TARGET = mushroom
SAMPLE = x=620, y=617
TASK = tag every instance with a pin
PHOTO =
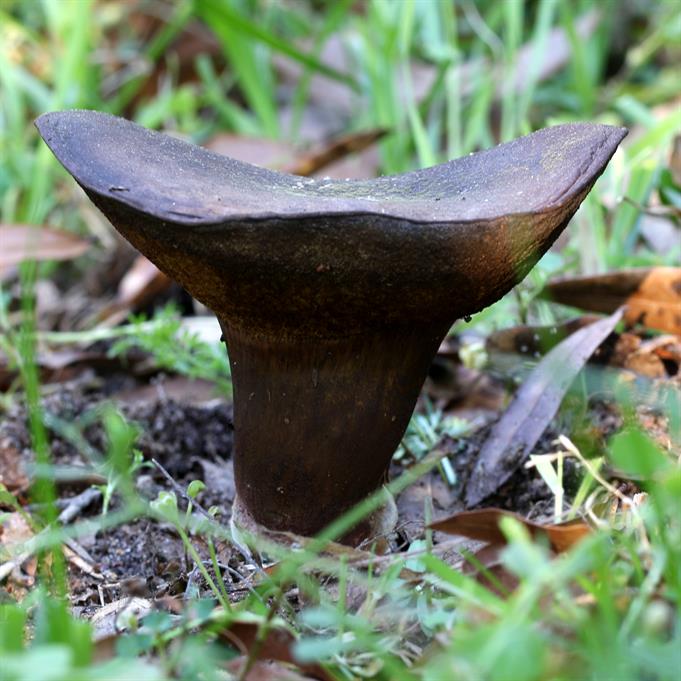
x=333, y=296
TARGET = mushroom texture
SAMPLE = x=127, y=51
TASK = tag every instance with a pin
x=333, y=296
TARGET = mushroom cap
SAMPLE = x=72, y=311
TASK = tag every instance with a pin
x=277, y=253
x=173, y=180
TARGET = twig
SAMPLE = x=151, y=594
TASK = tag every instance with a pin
x=78, y=503
x=6, y=569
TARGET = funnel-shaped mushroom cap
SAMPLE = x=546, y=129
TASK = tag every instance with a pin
x=454, y=237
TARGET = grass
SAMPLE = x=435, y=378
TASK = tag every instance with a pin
x=608, y=609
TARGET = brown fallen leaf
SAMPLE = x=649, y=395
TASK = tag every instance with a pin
x=29, y=242
x=331, y=156
x=13, y=473
x=534, y=405
x=657, y=300
x=259, y=151
x=177, y=388
x=264, y=670
x=652, y=295
x=57, y=366
x=138, y=287
x=483, y=525
x=335, y=150
x=276, y=646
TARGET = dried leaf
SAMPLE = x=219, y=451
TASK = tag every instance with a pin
x=58, y=366
x=259, y=151
x=338, y=148
x=177, y=388
x=264, y=670
x=657, y=301
x=277, y=646
x=330, y=156
x=140, y=285
x=28, y=242
x=483, y=525
x=532, y=409
x=652, y=295
x=12, y=467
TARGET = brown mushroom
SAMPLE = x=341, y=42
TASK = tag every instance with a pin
x=333, y=296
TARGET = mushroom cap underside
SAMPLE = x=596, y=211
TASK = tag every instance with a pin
x=179, y=183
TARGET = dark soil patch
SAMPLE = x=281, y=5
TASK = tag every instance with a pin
x=194, y=441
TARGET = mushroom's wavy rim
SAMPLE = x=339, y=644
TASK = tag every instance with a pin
x=185, y=185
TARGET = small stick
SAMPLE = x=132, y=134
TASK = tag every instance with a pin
x=77, y=504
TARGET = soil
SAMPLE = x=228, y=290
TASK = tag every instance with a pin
x=193, y=441
x=190, y=441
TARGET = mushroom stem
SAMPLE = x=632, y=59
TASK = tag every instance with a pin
x=317, y=420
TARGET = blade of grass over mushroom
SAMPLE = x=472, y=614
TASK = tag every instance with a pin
x=652, y=295
x=534, y=405
x=333, y=296
x=483, y=525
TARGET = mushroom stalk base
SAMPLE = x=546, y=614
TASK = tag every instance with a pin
x=379, y=524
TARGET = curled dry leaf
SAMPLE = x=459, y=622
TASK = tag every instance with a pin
x=483, y=525
x=29, y=242
x=652, y=295
x=534, y=405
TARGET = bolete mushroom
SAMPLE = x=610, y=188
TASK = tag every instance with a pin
x=333, y=296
